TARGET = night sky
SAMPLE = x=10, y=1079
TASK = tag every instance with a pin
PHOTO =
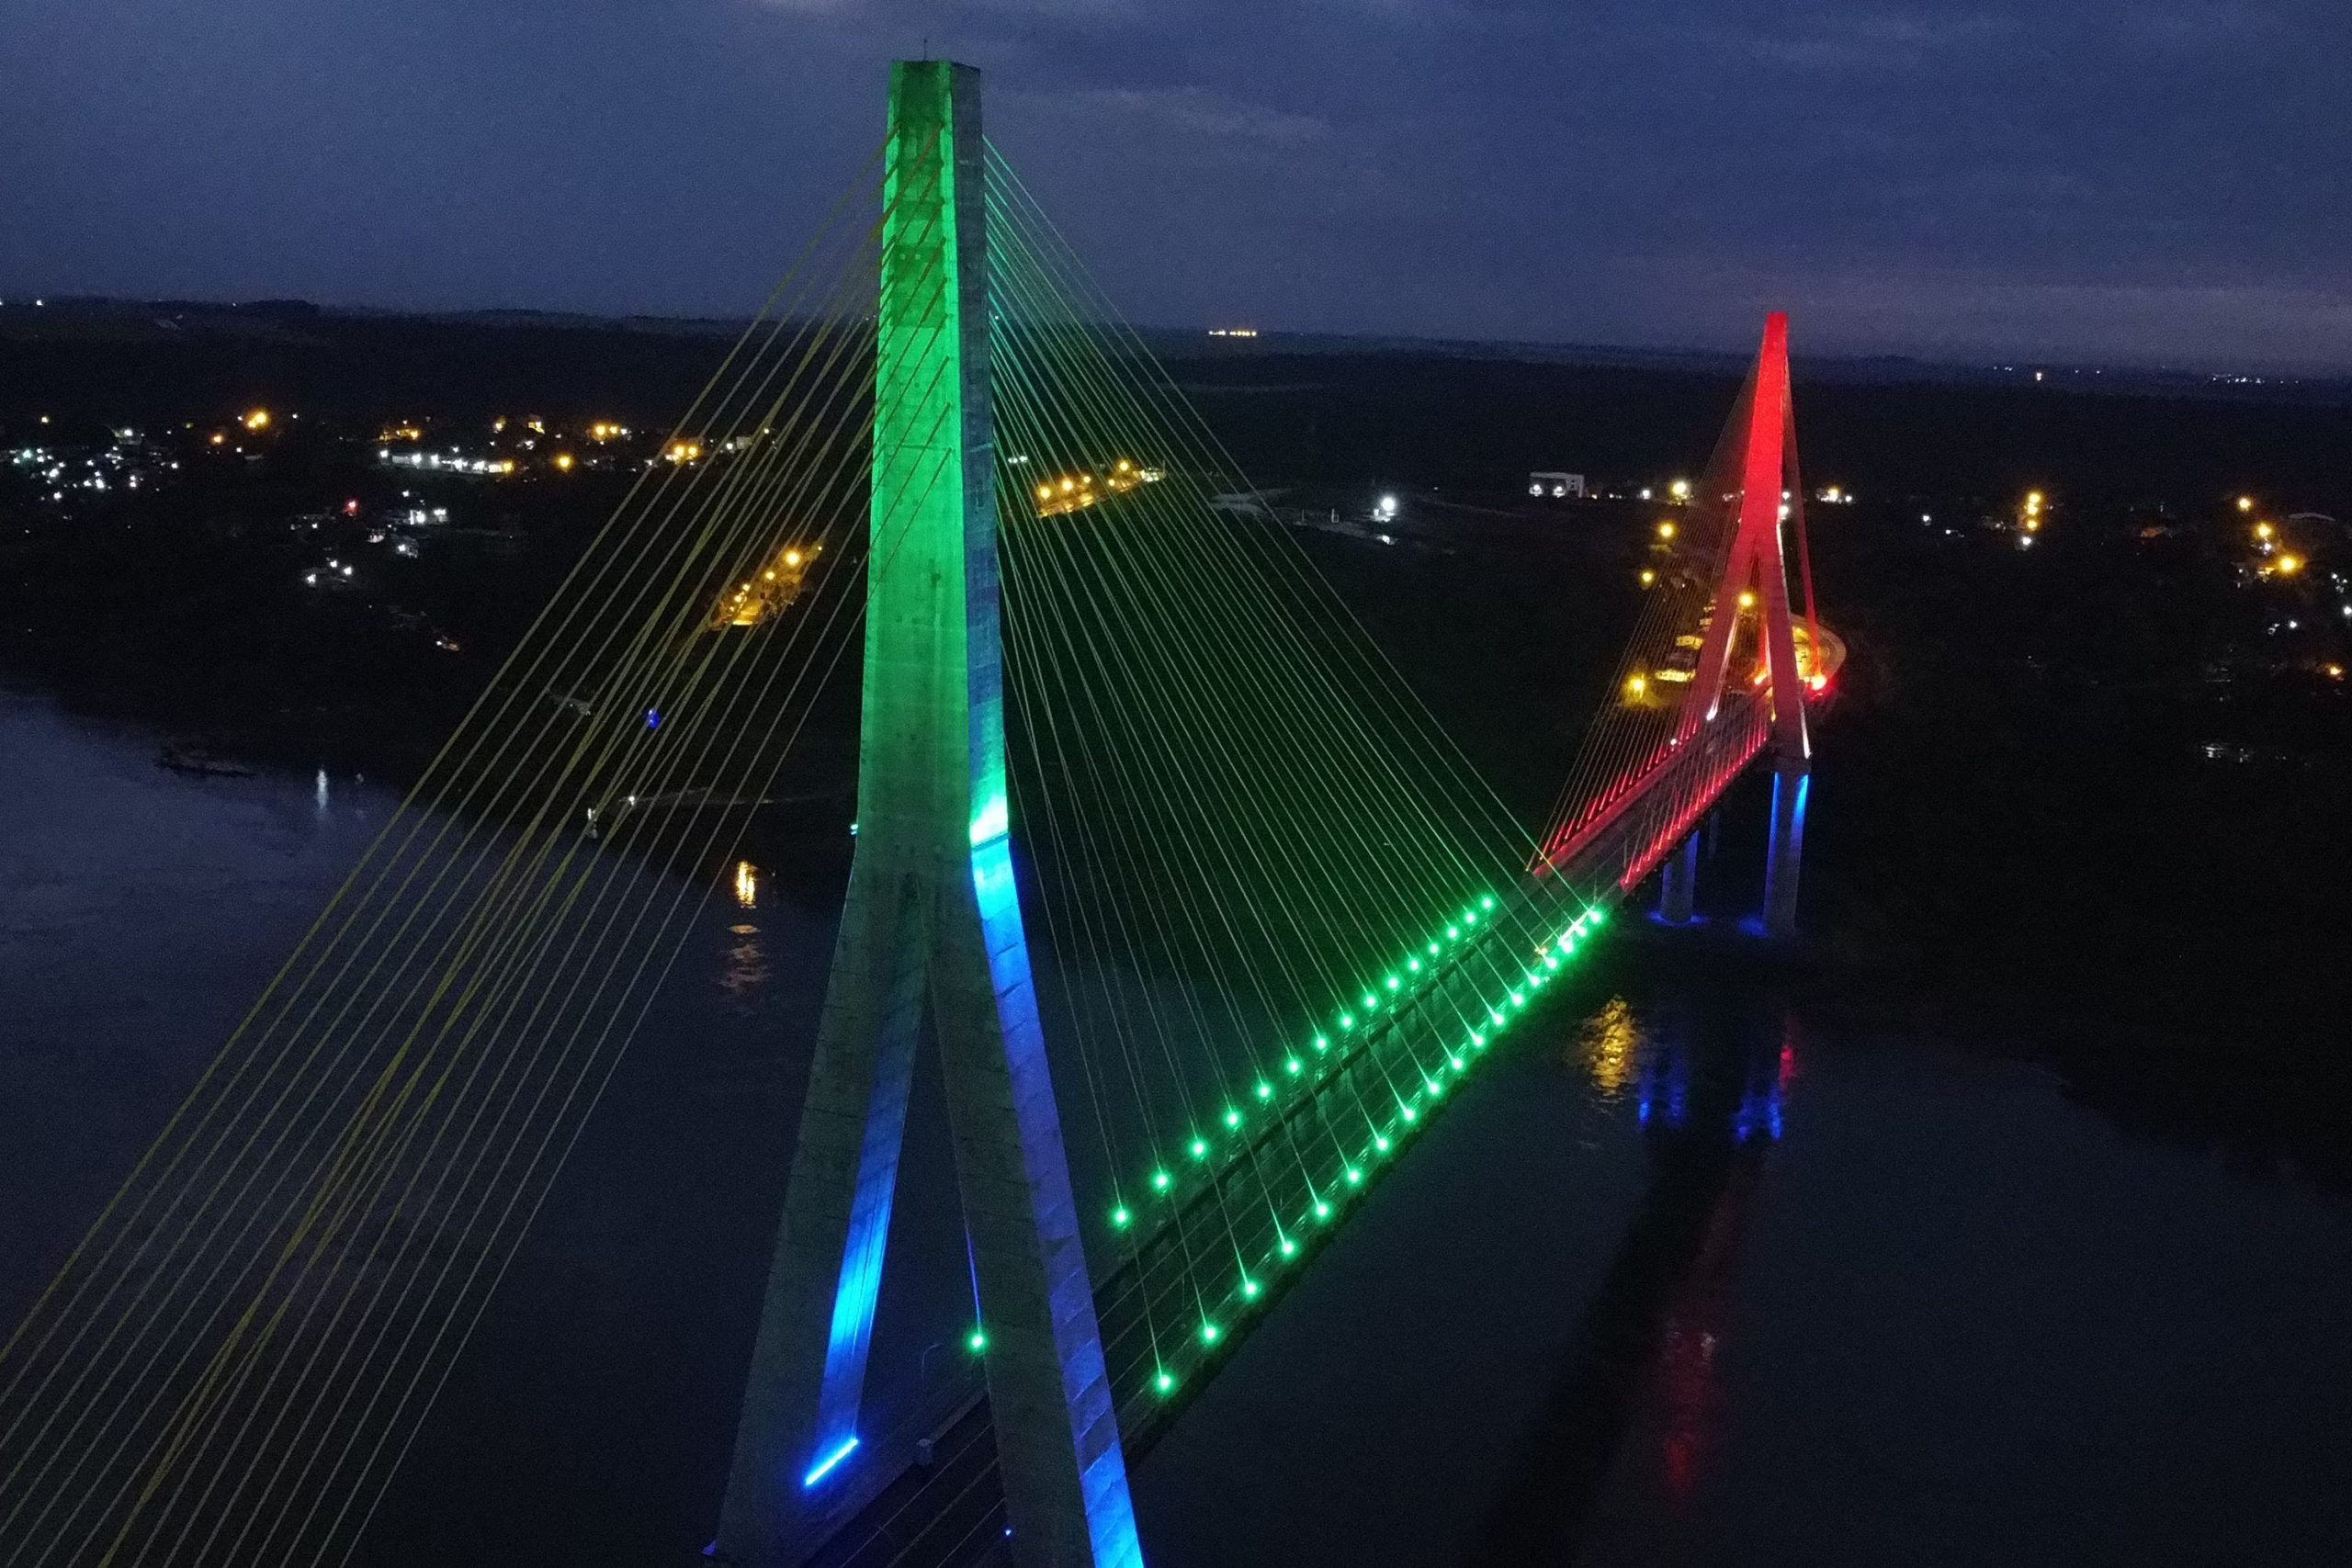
x=2125, y=181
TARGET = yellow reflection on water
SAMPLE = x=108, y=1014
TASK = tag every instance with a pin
x=1608, y=1047
x=745, y=966
x=747, y=884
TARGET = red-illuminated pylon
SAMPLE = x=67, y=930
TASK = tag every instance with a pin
x=1769, y=494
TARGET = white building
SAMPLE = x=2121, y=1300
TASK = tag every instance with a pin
x=1558, y=486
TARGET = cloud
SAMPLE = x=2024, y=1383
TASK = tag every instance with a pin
x=1191, y=111
x=1847, y=39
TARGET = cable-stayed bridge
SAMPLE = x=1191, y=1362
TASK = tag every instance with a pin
x=1200, y=909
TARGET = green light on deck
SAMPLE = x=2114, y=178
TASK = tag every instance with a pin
x=1232, y=1119
x=1322, y=1210
x=1121, y=1217
x=1477, y=1038
x=1209, y=1332
x=1355, y=1177
x=1495, y=1015
x=1266, y=1091
x=1293, y=1067
x=1289, y=1248
x=1453, y=933
x=977, y=1340
x=1433, y=950
x=1414, y=965
x=1408, y=1113
x=1347, y=1020
x=1380, y=1142
x=1165, y=1382
x=1160, y=1179
x=1487, y=902
x=1250, y=1288
x=1457, y=1063
x=1370, y=1002
x=1469, y=916
x=1322, y=1043
x=1519, y=998
x=1200, y=1148
x=1596, y=915
x=1393, y=982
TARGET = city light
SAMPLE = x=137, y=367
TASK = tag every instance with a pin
x=2245, y=504
x=2289, y=565
x=563, y=462
x=1679, y=489
x=257, y=420
x=1666, y=530
x=776, y=589
x=1636, y=685
x=1648, y=576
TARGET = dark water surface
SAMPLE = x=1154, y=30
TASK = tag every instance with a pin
x=1685, y=1275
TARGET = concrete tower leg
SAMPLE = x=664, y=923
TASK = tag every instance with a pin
x=1050, y=1392
x=800, y=1399
x=1679, y=882
x=1792, y=782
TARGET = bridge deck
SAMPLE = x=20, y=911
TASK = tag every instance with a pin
x=926, y=1495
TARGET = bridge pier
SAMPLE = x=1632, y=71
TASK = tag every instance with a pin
x=1678, y=882
x=1792, y=782
x=932, y=923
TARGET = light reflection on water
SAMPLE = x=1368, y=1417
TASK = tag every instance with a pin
x=1608, y=1047
x=744, y=963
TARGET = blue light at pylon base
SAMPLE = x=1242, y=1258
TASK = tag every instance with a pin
x=829, y=1462
x=860, y=1285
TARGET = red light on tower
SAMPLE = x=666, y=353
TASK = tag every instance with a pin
x=351, y=507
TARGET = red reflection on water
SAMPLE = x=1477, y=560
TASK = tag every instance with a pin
x=1688, y=1396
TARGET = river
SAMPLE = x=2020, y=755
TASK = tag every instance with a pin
x=1687, y=1274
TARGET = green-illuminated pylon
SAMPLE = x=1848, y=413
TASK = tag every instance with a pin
x=933, y=923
